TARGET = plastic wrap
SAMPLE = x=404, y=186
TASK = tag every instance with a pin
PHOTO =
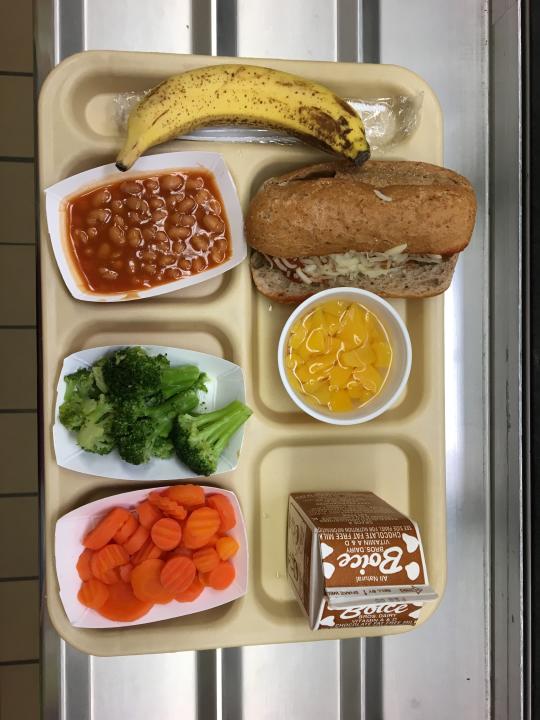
x=387, y=121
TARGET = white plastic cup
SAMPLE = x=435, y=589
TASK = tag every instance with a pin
x=400, y=367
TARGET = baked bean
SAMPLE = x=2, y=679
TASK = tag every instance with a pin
x=116, y=264
x=88, y=252
x=134, y=202
x=131, y=266
x=200, y=242
x=117, y=235
x=172, y=273
x=133, y=218
x=80, y=236
x=217, y=255
x=101, y=197
x=148, y=255
x=134, y=237
x=179, y=233
x=107, y=274
x=149, y=233
x=101, y=215
x=166, y=259
x=185, y=264
x=149, y=268
x=119, y=220
x=183, y=220
x=159, y=215
x=198, y=264
x=214, y=206
x=156, y=202
x=92, y=233
x=194, y=183
x=171, y=202
x=162, y=241
x=178, y=247
x=187, y=205
x=169, y=183
x=116, y=253
x=221, y=245
x=151, y=186
x=202, y=196
x=117, y=205
x=213, y=224
x=131, y=187
x=104, y=251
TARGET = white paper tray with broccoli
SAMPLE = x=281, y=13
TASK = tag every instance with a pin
x=149, y=413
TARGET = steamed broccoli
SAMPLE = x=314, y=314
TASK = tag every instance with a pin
x=200, y=440
x=131, y=374
x=142, y=432
x=80, y=387
x=95, y=435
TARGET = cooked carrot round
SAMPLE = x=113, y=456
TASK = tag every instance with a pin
x=122, y=605
x=137, y=540
x=166, y=533
x=83, y=565
x=149, y=551
x=225, y=510
x=106, y=529
x=189, y=496
x=177, y=574
x=108, y=557
x=148, y=514
x=146, y=582
x=226, y=547
x=192, y=593
x=109, y=577
x=200, y=526
x=221, y=576
x=125, y=572
x=93, y=593
x=205, y=559
x=126, y=531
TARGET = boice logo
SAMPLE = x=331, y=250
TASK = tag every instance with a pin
x=387, y=608
x=388, y=562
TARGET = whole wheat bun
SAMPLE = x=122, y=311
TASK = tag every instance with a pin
x=412, y=280
x=335, y=207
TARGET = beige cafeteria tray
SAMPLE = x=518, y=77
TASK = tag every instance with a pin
x=399, y=456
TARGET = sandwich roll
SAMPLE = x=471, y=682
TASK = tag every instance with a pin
x=392, y=227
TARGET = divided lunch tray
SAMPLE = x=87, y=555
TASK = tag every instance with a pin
x=399, y=456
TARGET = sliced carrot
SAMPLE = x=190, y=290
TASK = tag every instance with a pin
x=177, y=574
x=200, y=526
x=226, y=547
x=126, y=531
x=221, y=576
x=167, y=506
x=122, y=605
x=146, y=582
x=166, y=533
x=125, y=572
x=83, y=565
x=190, y=496
x=225, y=510
x=109, y=577
x=137, y=540
x=149, y=551
x=106, y=529
x=178, y=551
x=192, y=593
x=148, y=514
x=213, y=540
x=93, y=593
x=205, y=559
x=109, y=557
x=203, y=579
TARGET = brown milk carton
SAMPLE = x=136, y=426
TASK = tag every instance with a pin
x=355, y=561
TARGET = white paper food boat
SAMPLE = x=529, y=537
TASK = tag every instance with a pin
x=225, y=384
x=57, y=195
x=72, y=528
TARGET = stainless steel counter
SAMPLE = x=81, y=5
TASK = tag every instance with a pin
x=443, y=669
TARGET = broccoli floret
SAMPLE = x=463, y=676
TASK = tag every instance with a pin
x=80, y=387
x=180, y=378
x=199, y=441
x=95, y=435
x=132, y=374
x=142, y=432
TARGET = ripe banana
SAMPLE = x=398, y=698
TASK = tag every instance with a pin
x=245, y=95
